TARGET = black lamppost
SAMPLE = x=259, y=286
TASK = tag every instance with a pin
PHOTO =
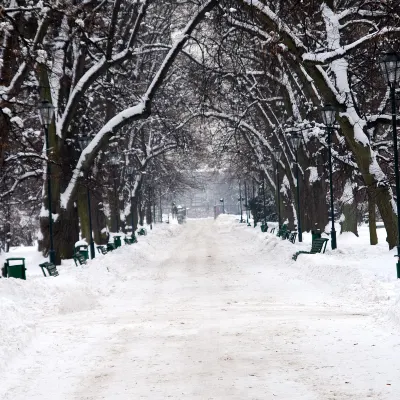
x=329, y=118
x=296, y=140
x=131, y=170
x=83, y=143
x=277, y=154
x=240, y=202
x=114, y=161
x=46, y=115
x=222, y=201
x=246, y=202
x=390, y=65
x=264, y=202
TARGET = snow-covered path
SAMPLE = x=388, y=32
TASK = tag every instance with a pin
x=213, y=319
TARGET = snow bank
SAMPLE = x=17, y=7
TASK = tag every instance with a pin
x=24, y=303
x=356, y=273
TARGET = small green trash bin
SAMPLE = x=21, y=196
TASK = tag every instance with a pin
x=316, y=234
x=83, y=249
x=117, y=241
x=15, y=268
x=264, y=227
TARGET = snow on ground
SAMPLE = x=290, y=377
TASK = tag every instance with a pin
x=23, y=303
x=208, y=310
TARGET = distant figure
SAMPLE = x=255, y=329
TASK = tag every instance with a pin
x=174, y=211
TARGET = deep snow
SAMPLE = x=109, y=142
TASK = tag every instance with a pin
x=209, y=310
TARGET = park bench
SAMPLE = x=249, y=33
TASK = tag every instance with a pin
x=292, y=237
x=318, y=246
x=50, y=267
x=130, y=240
x=111, y=247
x=102, y=249
x=142, y=232
x=282, y=231
x=79, y=258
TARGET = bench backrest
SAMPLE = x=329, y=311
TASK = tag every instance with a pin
x=81, y=258
x=318, y=245
x=51, y=268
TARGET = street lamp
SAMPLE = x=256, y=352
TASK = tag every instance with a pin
x=277, y=152
x=296, y=140
x=329, y=118
x=114, y=161
x=264, y=203
x=390, y=66
x=222, y=201
x=83, y=143
x=246, y=203
x=131, y=170
x=240, y=202
x=46, y=110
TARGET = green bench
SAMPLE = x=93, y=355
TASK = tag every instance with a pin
x=102, y=249
x=282, y=231
x=50, y=267
x=318, y=246
x=111, y=247
x=130, y=240
x=79, y=258
x=292, y=237
x=142, y=232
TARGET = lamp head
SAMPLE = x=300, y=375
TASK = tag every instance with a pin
x=114, y=160
x=328, y=113
x=390, y=67
x=46, y=110
x=277, y=152
x=83, y=141
x=295, y=137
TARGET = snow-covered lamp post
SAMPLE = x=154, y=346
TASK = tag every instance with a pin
x=246, y=201
x=46, y=110
x=83, y=143
x=296, y=140
x=329, y=118
x=390, y=66
x=222, y=201
x=277, y=154
x=131, y=171
x=114, y=161
x=240, y=202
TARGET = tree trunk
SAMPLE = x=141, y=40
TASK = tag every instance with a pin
x=141, y=209
x=349, y=210
x=83, y=213
x=99, y=219
x=373, y=237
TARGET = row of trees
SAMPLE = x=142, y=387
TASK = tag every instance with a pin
x=167, y=85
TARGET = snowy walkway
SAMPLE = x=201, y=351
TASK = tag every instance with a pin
x=214, y=319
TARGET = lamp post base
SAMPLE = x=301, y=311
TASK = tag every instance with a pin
x=92, y=253
x=398, y=270
x=52, y=256
x=333, y=239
